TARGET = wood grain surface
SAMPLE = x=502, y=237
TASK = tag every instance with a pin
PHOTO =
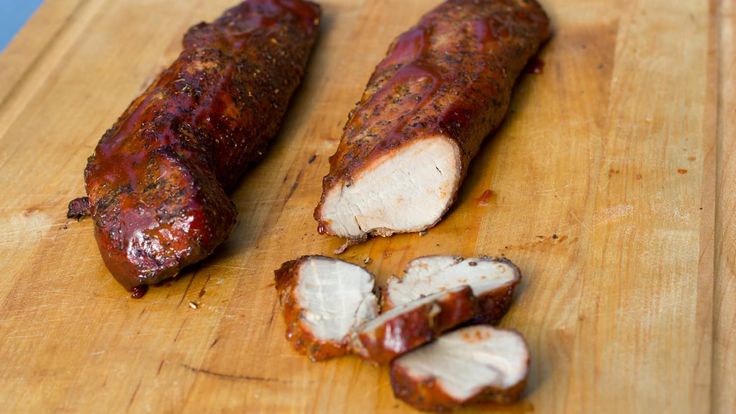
x=724, y=306
x=610, y=187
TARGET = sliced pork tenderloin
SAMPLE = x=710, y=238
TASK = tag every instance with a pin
x=442, y=88
x=473, y=364
x=492, y=279
x=323, y=301
x=413, y=324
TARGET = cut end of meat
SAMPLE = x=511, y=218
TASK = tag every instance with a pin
x=324, y=299
x=492, y=279
x=443, y=86
x=407, y=327
x=473, y=364
x=407, y=190
x=335, y=296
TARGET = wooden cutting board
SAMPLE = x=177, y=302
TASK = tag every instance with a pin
x=610, y=185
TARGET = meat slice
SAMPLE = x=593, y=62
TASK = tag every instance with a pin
x=409, y=326
x=444, y=86
x=492, y=279
x=158, y=180
x=473, y=364
x=323, y=300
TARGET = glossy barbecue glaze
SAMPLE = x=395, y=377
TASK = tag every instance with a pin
x=407, y=327
x=447, y=80
x=158, y=180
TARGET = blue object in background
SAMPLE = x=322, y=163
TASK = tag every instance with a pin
x=13, y=15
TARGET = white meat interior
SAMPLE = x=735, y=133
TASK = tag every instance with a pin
x=407, y=190
x=470, y=359
x=428, y=275
x=335, y=297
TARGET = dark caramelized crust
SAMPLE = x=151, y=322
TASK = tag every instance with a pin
x=492, y=304
x=429, y=392
x=451, y=75
x=78, y=208
x=158, y=180
x=415, y=326
x=428, y=395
